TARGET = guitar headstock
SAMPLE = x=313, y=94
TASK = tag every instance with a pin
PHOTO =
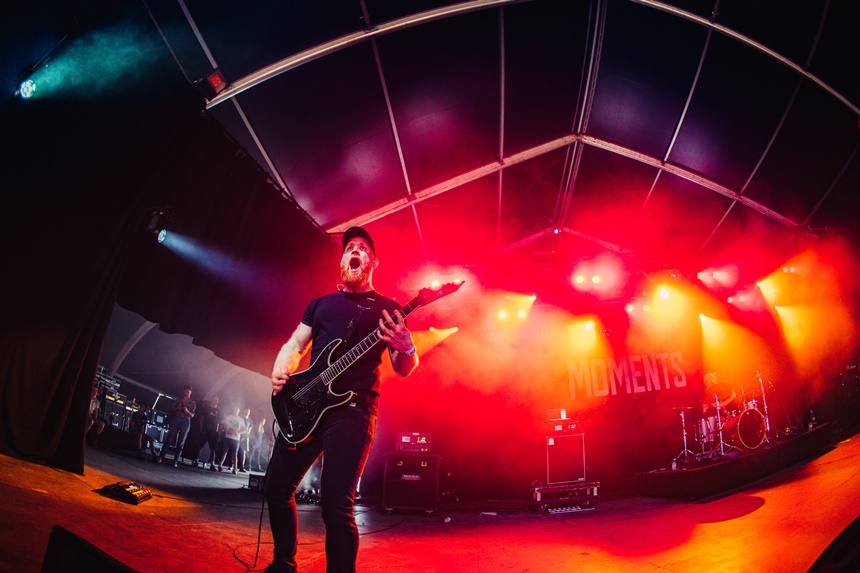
x=431, y=293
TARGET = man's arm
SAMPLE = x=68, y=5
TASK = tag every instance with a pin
x=401, y=349
x=290, y=355
x=403, y=363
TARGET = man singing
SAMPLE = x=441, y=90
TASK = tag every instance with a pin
x=344, y=433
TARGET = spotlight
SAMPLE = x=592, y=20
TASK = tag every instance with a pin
x=212, y=85
x=27, y=89
x=159, y=218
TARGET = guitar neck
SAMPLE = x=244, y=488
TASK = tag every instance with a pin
x=357, y=351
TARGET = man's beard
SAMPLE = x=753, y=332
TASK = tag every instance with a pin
x=357, y=280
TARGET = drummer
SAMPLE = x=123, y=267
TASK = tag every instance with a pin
x=716, y=390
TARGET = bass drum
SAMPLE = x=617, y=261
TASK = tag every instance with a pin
x=746, y=430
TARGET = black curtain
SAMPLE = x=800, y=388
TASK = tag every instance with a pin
x=73, y=176
x=80, y=179
x=246, y=261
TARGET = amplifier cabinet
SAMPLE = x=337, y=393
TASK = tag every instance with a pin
x=411, y=481
x=565, y=458
x=567, y=497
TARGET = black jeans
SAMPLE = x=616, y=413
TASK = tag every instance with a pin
x=344, y=437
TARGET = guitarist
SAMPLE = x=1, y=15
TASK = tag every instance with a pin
x=344, y=433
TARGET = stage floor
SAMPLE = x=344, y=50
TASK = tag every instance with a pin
x=198, y=520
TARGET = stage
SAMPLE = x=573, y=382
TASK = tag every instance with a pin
x=198, y=520
x=701, y=477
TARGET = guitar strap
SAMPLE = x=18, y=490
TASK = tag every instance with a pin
x=353, y=324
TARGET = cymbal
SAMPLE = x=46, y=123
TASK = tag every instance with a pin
x=722, y=390
x=759, y=374
x=685, y=407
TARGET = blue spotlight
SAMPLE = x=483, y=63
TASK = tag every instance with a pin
x=162, y=235
x=27, y=89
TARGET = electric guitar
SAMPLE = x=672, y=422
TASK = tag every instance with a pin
x=303, y=400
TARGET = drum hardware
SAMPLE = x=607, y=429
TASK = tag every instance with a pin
x=712, y=428
x=764, y=405
x=720, y=426
x=686, y=454
x=746, y=430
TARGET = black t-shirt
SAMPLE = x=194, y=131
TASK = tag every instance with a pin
x=329, y=318
x=138, y=422
x=211, y=417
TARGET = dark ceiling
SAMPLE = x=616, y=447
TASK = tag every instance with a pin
x=515, y=138
x=678, y=133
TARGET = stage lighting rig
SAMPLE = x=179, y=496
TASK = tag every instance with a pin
x=212, y=85
x=27, y=89
x=159, y=219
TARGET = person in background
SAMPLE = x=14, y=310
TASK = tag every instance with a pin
x=211, y=428
x=94, y=419
x=257, y=448
x=180, y=422
x=234, y=426
x=137, y=426
x=245, y=442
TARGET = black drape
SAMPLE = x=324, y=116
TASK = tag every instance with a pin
x=72, y=179
x=250, y=259
x=80, y=176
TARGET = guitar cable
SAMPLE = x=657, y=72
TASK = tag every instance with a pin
x=252, y=566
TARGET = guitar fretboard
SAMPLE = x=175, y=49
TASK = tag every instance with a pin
x=334, y=370
x=357, y=351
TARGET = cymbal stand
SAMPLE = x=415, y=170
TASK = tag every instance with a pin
x=686, y=455
x=764, y=405
x=723, y=445
x=719, y=425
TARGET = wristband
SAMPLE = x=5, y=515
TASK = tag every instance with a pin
x=411, y=351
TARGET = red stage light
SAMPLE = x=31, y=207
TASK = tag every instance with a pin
x=217, y=81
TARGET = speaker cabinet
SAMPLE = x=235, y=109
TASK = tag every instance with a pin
x=565, y=458
x=411, y=481
x=68, y=553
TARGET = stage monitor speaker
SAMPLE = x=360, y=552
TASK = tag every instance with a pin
x=843, y=554
x=257, y=482
x=565, y=458
x=411, y=481
x=68, y=553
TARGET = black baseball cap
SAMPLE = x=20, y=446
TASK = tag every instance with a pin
x=353, y=232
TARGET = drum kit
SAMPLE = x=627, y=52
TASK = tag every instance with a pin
x=723, y=423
